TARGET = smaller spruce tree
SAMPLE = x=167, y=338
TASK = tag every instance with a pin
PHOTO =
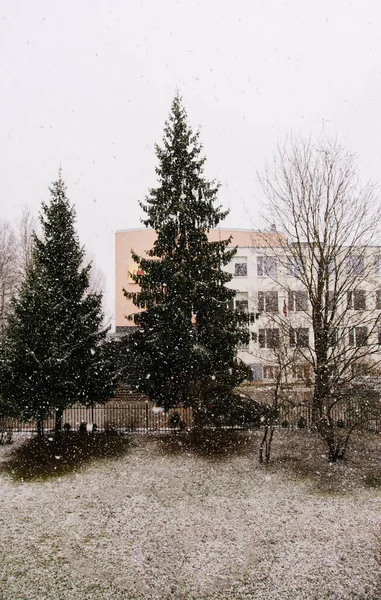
x=184, y=348
x=52, y=354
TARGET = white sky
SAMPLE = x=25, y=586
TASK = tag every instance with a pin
x=89, y=84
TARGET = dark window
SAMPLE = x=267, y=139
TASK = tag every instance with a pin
x=297, y=301
x=299, y=338
x=268, y=338
x=301, y=372
x=356, y=300
x=268, y=301
x=241, y=302
x=257, y=371
x=270, y=372
x=242, y=306
x=379, y=337
x=358, y=336
x=240, y=267
x=355, y=265
x=266, y=266
x=293, y=265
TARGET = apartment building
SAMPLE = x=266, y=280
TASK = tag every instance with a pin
x=270, y=292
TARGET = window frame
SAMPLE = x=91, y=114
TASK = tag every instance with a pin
x=270, y=372
x=269, y=338
x=355, y=264
x=241, y=297
x=356, y=300
x=293, y=266
x=240, y=262
x=296, y=337
x=294, y=304
x=354, y=336
x=267, y=301
x=267, y=266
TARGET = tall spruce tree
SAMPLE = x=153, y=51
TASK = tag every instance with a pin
x=184, y=348
x=52, y=355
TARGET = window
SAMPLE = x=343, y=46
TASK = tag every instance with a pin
x=256, y=369
x=355, y=265
x=297, y=301
x=241, y=302
x=268, y=301
x=356, y=300
x=301, y=373
x=299, y=338
x=358, y=336
x=240, y=266
x=293, y=265
x=377, y=265
x=270, y=372
x=379, y=337
x=266, y=266
x=378, y=299
x=268, y=338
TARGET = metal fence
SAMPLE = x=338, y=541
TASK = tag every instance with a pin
x=140, y=417
x=343, y=415
x=144, y=417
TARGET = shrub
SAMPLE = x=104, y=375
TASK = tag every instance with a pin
x=234, y=410
x=6, y=433
x=302, y=423
x=110, y=428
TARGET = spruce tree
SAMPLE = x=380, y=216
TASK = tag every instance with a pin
x=52, y=355
x=183, y=350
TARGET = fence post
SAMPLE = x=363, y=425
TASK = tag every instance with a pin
x=146, y=405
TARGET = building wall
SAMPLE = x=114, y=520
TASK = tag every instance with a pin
x=141, y=240
x=252, y=285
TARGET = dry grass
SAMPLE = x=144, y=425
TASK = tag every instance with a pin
x=189, y=518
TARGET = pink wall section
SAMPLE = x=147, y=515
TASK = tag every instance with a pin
x=141, y=240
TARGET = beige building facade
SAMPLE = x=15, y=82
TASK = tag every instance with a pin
x=268, y=289
x=141, y=240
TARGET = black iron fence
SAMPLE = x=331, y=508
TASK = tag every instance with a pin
x=144, y=417
x=140, y=417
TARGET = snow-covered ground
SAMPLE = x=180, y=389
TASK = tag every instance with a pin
x=163, y=524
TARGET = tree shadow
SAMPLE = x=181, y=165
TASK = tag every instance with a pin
x=304, y=455
x=210, y=443
x=47, y=456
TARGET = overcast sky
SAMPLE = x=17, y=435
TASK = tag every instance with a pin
x=89, y=84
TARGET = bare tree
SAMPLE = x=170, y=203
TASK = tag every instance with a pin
x=8, y=269
x=26, y=226
x=280, y=397
x=330, y=222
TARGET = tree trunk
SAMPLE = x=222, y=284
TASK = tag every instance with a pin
x=265, y=446
x=58, y=423
x=268, y=445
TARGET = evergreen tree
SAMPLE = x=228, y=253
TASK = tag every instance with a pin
x=52, y=355
x=184, y=348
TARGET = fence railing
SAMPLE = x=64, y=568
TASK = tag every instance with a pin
x=144, y=417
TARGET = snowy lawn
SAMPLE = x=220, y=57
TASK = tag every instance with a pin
x=162, y=519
